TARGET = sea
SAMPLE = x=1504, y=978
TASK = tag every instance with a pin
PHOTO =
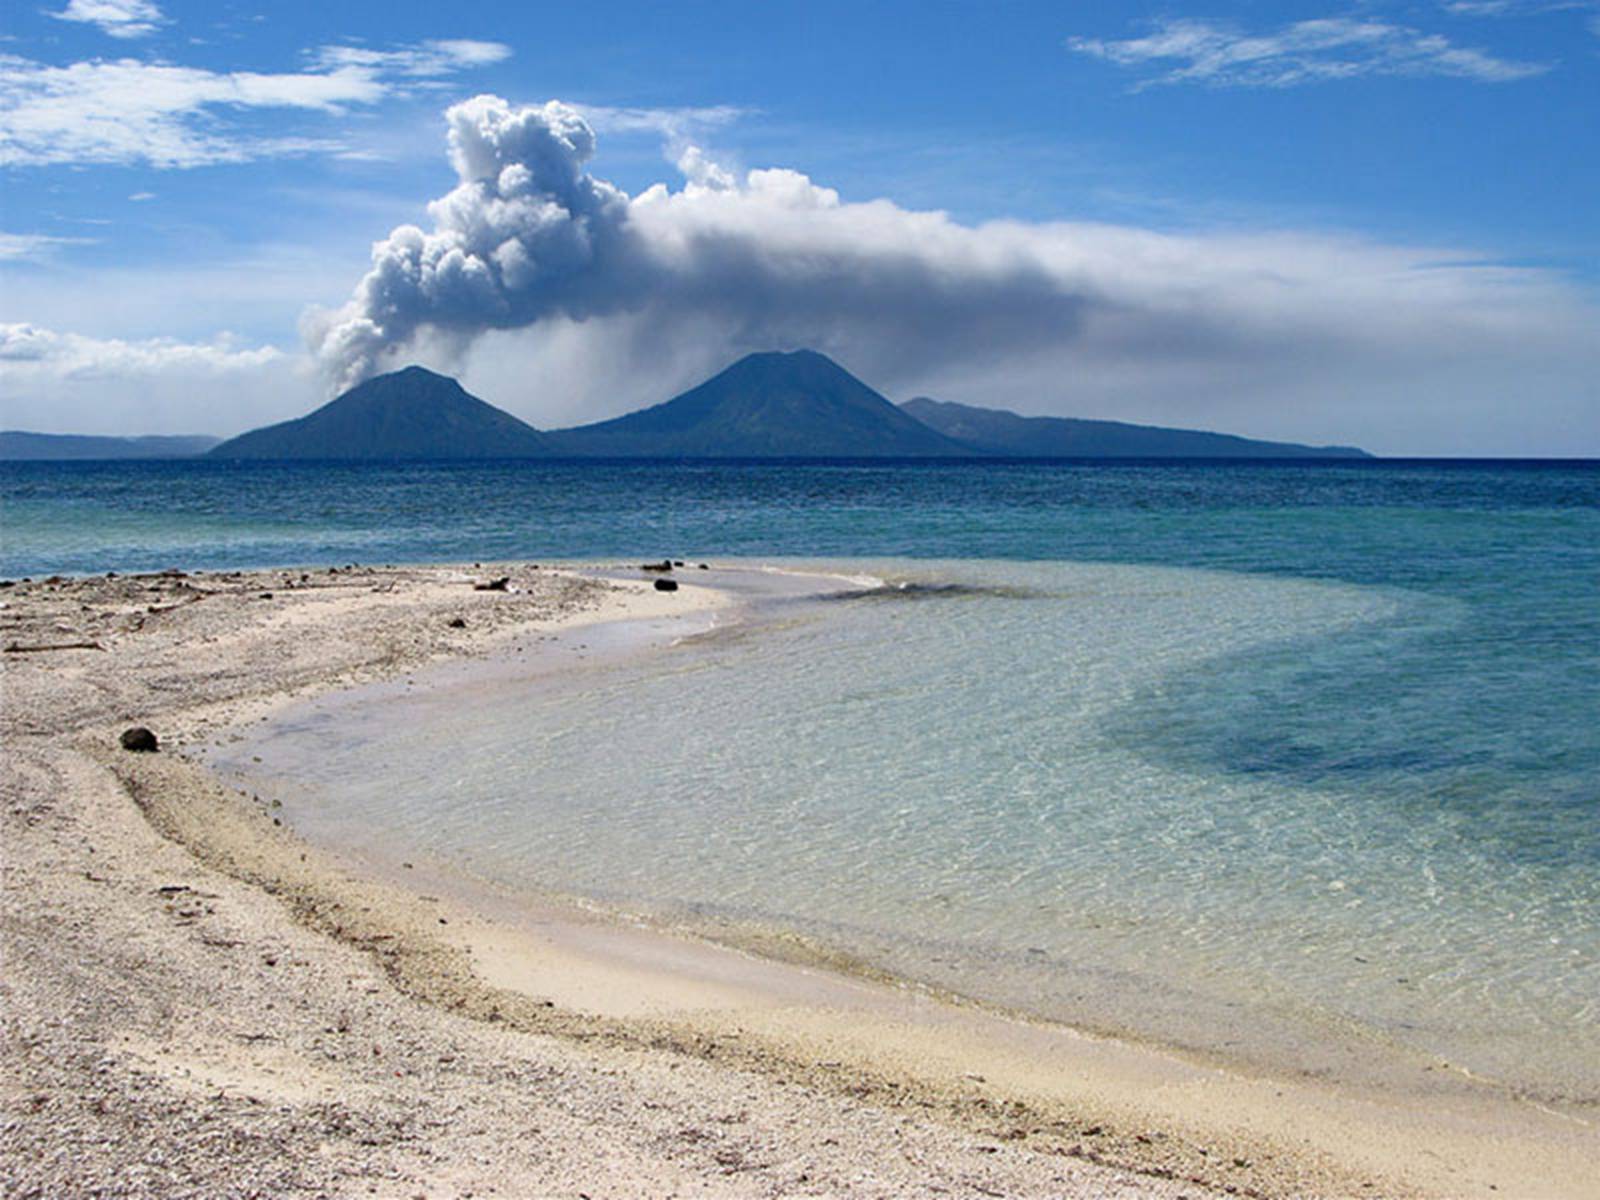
x=1292, y=764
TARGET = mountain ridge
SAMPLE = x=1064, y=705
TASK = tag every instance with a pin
x=22, y=445
x=768, y=405
x=998, y=431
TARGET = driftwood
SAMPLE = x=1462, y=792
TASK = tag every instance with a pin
x=15, y=648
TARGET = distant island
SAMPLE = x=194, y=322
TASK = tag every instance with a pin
x=1000, y=432
x=799, y=404
x=18, y=445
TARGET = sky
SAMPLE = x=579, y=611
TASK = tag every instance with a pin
x=1370, y=223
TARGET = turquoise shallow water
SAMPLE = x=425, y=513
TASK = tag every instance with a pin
x=1220, y=753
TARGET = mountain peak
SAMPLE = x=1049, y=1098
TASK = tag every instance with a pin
x=773, y=404
x=412, y=413
x=793, y=363
x=414, y=371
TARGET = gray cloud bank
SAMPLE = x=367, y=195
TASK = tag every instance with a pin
x=590, y=290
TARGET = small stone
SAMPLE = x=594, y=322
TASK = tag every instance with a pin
x=666, y=585
x=458, y=623
x=140, y=740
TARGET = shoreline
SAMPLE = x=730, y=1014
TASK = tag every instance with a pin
x=1042, y=1099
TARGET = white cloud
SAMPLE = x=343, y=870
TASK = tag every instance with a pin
x=26, y=349
x=118, y=18
x=424, y=60
x=532, y=260
x=1508, y=8
x=674, y=125
x=31, y=247
x=72, y=383
x=130, y=111
x=1219, y=55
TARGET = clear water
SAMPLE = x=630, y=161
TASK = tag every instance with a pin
x=1297, y=761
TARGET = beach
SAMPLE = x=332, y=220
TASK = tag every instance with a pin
x=199, y=1002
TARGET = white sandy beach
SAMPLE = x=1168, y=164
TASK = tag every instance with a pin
x=198, y=1003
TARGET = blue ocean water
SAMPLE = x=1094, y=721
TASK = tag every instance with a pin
x=1319, y=743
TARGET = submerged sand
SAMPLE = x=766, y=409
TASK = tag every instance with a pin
x=195, y=1002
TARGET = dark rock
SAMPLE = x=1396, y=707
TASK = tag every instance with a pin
x=493, y=585
x=664, y=565
x=457, y=623
x=677, y=562
x=140, y=739
x=703, y=567
x=666, y=585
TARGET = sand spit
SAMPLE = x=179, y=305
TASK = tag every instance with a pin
x=197, y=1003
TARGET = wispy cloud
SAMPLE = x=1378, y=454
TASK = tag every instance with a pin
x=129, y=111
x=670, y=123
x=1511, y=8
x=682, y=131
x=118, y=18
x=32, y=247
x=1218, y=54
x=422, y=61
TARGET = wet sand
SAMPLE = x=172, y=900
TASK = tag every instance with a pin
x=197, y=1002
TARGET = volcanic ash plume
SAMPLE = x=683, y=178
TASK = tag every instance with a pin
x=525, y=233
x=767, y=259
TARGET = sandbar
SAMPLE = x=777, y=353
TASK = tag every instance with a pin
x=197, y=1001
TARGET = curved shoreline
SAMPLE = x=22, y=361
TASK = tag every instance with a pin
x=1044, y=1096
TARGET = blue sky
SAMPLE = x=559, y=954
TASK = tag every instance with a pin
x=1368, y=222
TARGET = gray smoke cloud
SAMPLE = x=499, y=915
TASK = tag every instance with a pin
x=528, y=234
x=530, y=241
